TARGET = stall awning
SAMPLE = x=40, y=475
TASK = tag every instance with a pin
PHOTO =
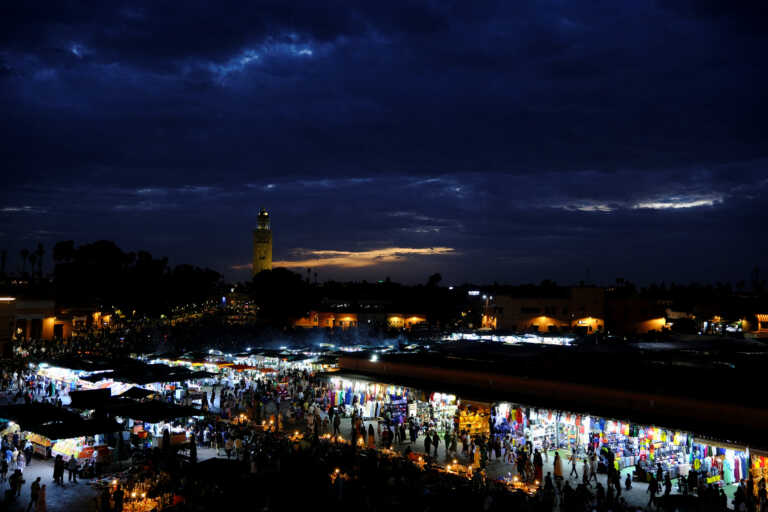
x=137, y=372
x=136, y=392
x=70, y=429
x=29, y=416
x=720, y=444
x=89, y=399
x=152, y=411
x=476, y=404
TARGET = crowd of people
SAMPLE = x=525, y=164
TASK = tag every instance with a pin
x=280, y=431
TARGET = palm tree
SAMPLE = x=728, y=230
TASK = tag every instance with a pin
x=32, y=261
x=40, y=251
x=24, y=255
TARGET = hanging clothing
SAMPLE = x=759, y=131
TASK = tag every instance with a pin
x=727, y=471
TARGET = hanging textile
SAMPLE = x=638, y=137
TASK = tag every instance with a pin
x=727, y=471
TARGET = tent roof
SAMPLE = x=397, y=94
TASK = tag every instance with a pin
x=152, y=411
x=137, y=372
x=29, y=416
x=136, y=392
x=89, y=399
x=70, y=429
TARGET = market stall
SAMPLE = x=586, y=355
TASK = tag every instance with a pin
x=474, y=417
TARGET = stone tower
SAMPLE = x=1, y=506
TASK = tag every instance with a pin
x=262, y=244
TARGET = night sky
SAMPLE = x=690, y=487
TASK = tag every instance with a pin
x=506, y=142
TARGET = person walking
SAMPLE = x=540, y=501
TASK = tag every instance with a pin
x=573, y=465
x=28, y=452
x=538, y=465
x=558, y=466
x=34, y=493
x=41, y=505
x=58, y=470
x=117, y=497
x=593, y=467
x=653, y=488
x=72, y=469
x=15, y=481
x=585, y=474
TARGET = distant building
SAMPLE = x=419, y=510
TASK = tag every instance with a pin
x=761, y=325
x=552, y=309
x=262, y=243
x=36, y=319
x=40, y=319
x=635, y=315
x=345, y=320
x=7, y=314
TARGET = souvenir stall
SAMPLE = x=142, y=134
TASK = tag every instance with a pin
x=150, y=435
x=538, y=426
x=396, y=410
x=474, y=418
x=41, y=445
x=8, y=430
x=647, y=447
x=758, y=468
x=443, y=411
x=628, y=445
x=420, y=412
x=62, y=378
x=79, y=447
x=372, y=400
x=569, y=431
x=717, y=462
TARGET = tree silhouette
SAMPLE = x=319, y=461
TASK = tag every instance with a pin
x=32, y=260
x=39, y=252
x=24, y=255
x=281, y=295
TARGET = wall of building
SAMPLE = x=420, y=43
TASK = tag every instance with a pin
x=576, y=307
x=7, y=313
x=34, y=319
x=347, y=320
x=634, y=315
x=404, y=321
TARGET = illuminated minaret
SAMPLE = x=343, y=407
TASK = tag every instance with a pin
x=262, y=244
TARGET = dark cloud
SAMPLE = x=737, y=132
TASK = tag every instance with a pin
x=539, y=137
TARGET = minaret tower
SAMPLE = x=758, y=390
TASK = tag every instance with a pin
x=262, y=244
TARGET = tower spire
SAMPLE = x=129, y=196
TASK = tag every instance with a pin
x=262, y=243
